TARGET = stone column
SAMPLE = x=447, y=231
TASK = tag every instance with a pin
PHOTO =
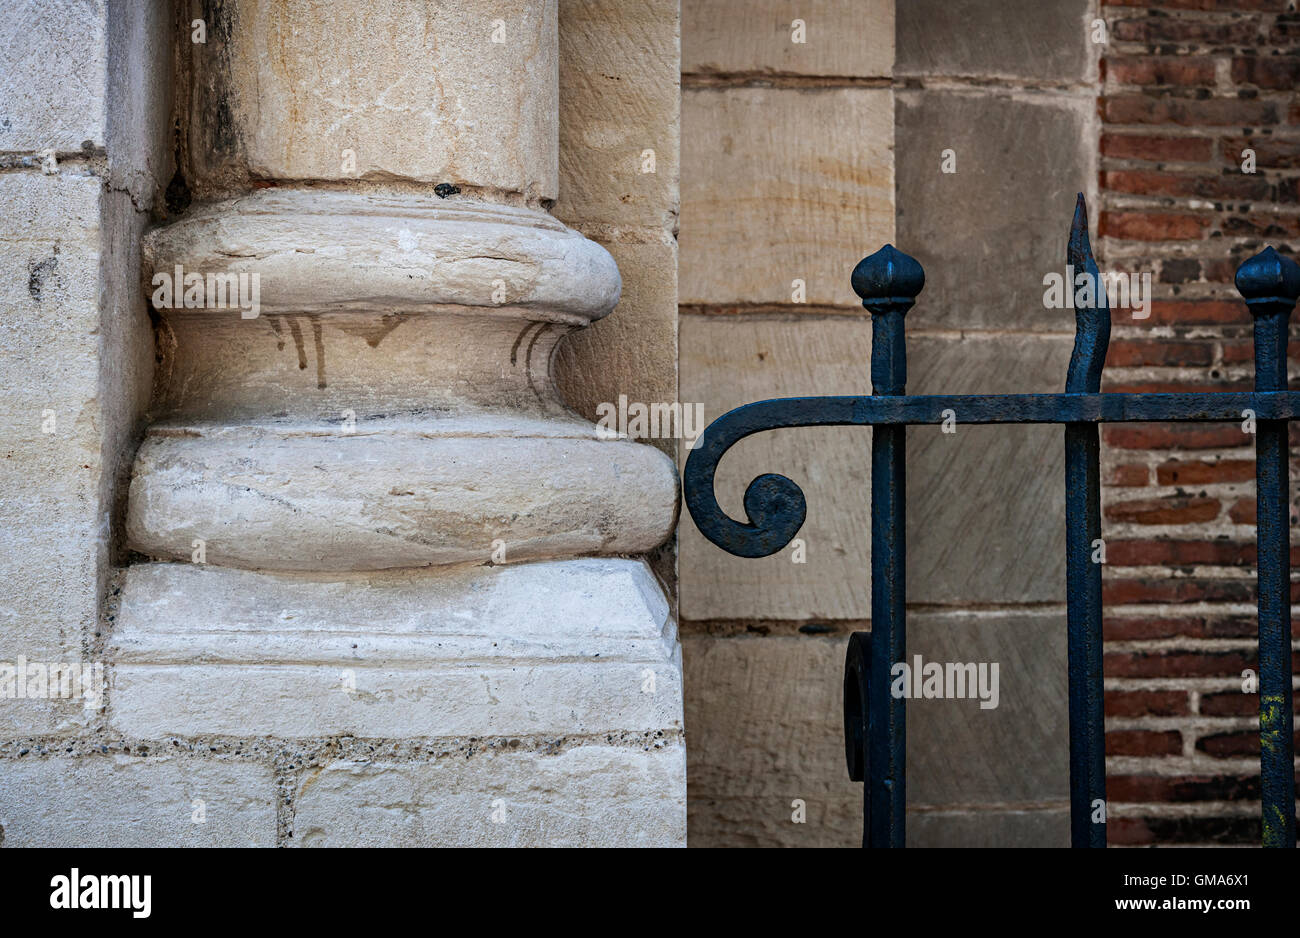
x=373, y=527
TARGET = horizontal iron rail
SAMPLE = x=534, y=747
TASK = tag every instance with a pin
x=918, y=409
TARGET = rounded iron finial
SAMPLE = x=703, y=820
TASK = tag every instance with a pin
x=1269, y=277
x=889, y=278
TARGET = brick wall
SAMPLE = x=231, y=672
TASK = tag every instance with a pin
x=1187, y=86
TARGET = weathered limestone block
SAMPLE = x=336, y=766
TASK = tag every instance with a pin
x=52, y=89
x=323, y=251
x=588, y=796
x=52, y=525
x=619, y=98
x=997, y=38
x=760, y=212
x=383, y=90
x=989, y=232
x=578, y=646
x=789, y=37
x=765, y=718
x=122, y=801
x=318, y=500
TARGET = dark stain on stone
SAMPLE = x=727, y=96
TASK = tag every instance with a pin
x=320, y=350
x=514, y=349
x=374, y=333
x=177, y=197
x=528, y=359
x=274, y=322
x=297, y=342
x=38, y=272
x=444, y=189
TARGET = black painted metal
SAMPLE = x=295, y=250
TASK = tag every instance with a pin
x=875, y=728
x=1082, y=540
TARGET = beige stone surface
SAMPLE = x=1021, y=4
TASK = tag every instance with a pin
x=963, y=756
x=1016, y=39
x=1039, y=827
x=771, y=195
x=986, y=505
x=316, y=250
x=726, y=363
x=121, y=801
x=764, y=724
x=745, y=36
x=416, y=91
x=52, y=90
x=264, y=500
x=588, y=796
x=633, y=351
x=763, y=728
x=988, y=233
x=52, y=524
x=580, y=646
x=619, y=97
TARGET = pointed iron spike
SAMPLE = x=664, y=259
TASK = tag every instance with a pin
x=1079, y=251
x=1092, y=323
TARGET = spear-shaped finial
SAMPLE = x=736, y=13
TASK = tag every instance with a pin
x=888, y=283
x=1270, y=284
x=1091, y=322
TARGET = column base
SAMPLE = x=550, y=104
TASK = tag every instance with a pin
x=546, y=698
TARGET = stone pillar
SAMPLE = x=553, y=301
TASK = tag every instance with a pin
x=374, y=528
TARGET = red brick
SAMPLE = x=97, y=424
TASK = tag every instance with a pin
x=1223, y=6
x=1179, y=553
x=1176, y=387
x=1178, y=472
x=1178, y=509
x=1156, y=148
x=1146, y=628
x=1128, y=832
x=1234, y=185
x=1127, y=353
x=1177, y=663
x=1160, y=70
x=1129, y=591
x=1261, y=225
x=1175, y=436
x=1228, y=745
x=1130, y=474
x=1243, y=511
x=1144, y=743
x=1220, y=269
x=1280, y=72
x=1270, y=153
x=1234, y=704
x=1138, y=703
x=1199, y=313
x=1153, y=226
x=1136, y=789
x=1188, y=112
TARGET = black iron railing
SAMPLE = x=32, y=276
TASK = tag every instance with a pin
x=875, y=720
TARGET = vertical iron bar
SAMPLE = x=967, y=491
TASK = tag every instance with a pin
x=887, y=715
x=1083, y=613
x=888, y=283
x=1270, y=284
x=1082, y=531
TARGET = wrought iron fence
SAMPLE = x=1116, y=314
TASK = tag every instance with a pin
x=875, y=719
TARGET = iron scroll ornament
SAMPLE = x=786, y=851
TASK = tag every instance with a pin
x=888, y=283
